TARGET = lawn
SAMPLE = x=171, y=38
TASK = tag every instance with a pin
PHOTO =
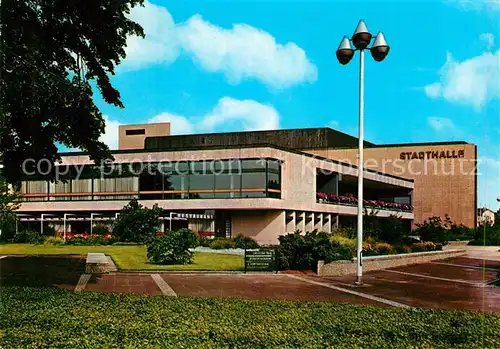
x=49, y=318
x=130, y=257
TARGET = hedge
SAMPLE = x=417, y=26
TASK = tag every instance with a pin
x=50, y=318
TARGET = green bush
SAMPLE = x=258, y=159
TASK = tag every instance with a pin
x=91, y=241
x=222, y=244
x=460, y=233
x=54, y=240
x=204, y=241
x=172, y=248
x=8, y=226
x=384, y=248
x=100, y=229
x=302, y=252
x=347, y=232
x=487, y=235
x=245, y=242
x=29, y=237
x=423, y=246
x=400, y=248
x=434, y=230
x=137, y=223
x=344, y=241
x=49, y=230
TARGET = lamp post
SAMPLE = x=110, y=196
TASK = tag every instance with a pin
x=361, y=39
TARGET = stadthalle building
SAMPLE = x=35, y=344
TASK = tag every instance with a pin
x=262, y=183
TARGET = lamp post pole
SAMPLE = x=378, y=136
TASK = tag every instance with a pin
x=359, y=240
x=379, y=50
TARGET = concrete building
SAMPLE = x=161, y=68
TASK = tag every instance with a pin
x=262, y=184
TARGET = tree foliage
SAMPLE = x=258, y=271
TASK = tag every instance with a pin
x=9, y=202
x=137, y=223
x=50, y=52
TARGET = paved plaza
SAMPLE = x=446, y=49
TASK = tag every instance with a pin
x=455, y=283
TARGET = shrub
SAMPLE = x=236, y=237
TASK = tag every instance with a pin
x=401, y=248
x=434, y=230
x=49, y=230
x=221, y=244
x=383, y=248
x=302, y=252
x=100, y=229
x=8, y=226
x=172, y=248
x=54, y=240
x=487, y=235
x=137, y=223
x=204, y=241
x=369, y=249
x=392, y=230
x=245, y=242
x=423, y=246
x=29, y=237
x=344, y=241
x=460, y=233
x=91, y=240
x=348, y=232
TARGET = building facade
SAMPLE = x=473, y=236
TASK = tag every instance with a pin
x=262, y=184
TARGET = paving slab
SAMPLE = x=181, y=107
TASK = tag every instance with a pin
x=123, y=283
x=257, y=286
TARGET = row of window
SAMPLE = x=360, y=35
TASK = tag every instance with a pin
x=262, y=180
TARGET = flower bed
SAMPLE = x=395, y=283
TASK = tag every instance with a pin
x=352, y=201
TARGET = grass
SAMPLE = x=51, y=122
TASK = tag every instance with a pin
x=130, y=257
x=50, y=318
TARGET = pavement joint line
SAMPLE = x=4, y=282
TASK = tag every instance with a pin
x=466, y=266
x=163, y=285
x=477, y=284
x=356, y=293
x=82, y=282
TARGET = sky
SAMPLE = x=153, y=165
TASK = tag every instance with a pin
x=216, y=66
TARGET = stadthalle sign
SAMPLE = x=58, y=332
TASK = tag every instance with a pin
x=432, y=154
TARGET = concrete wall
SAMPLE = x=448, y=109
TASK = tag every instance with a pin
x=341, y=268
x=442, y=186
x=263, y=226
x=136, y=141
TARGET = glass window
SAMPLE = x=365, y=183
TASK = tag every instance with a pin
x=81, y=186
x=202, y=186
x=35, y=187
x=151, y=180
x=227, y=185
x=253, y=164
x=253, y=194
x=176, y=186
x=273, y=181
x=274, y=165
x=58, y=188
x=253, y=180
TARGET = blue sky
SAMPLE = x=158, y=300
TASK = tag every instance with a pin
x=211, y=66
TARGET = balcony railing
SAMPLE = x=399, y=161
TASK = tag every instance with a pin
x=352, y=201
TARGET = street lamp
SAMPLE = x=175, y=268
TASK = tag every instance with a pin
x=379, y=50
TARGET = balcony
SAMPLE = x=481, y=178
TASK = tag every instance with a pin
x=352, y=201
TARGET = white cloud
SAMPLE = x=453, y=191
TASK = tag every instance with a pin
x=228, y=115
x=245, y=52
x=488, y=39
x=110, y=136
x=179, y=125
x=333, y=124
x=433, y=90
x=440, y=124
x=242, y=52
x=473, y=82
x=478, y=5
x=160, y=43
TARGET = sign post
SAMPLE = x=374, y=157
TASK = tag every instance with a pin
x=262, y=259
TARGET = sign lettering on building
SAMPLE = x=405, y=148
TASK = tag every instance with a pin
x=432, y=154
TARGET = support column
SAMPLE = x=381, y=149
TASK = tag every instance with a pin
x=301, y=225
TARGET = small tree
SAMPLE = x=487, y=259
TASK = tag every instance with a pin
x=9, y=202
x=433, y=229
x=137, y=223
